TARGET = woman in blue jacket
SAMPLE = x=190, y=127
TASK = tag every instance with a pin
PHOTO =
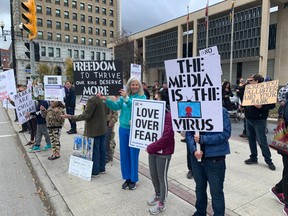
x=128, y=156
x=211, y=169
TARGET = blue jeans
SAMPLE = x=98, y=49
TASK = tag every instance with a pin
x=256, y=132
x=212, y=172
x=99, y=155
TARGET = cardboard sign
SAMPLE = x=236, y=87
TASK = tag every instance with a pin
x=93, y=77
x=7, y=87
x=53, y=88
x=80, y=167
x=147, y=122
x=261, y=93
x=195, y=93
x=135, y=71
x=24, y=103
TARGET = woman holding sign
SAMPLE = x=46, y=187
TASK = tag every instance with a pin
x=128, y=156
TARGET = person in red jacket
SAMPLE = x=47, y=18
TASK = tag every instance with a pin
x=160, y=153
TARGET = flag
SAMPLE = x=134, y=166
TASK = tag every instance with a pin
x=206, y=14
x=232, y=11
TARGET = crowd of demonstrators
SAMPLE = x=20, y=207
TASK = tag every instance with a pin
x=41, y=128
x=95, y=117
x=110, y=143
x=146, y=91
x=214, y=148
x=53, y=116
x=70, y=104
x=160, y=153
x=280, y=190
x=129, y=157
x=256, y=122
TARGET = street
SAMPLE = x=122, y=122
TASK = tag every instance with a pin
x=17, y=185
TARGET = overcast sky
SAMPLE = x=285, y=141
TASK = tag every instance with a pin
x=137, y=15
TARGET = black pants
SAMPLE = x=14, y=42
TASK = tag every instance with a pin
x=282, y=186
x=189, y=166
x=71, y=111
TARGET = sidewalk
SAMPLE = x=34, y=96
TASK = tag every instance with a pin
x=246, y=187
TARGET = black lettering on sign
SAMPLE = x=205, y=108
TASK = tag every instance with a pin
x=145, y=135
x=194, y=124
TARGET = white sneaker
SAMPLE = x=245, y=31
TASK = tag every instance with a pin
x=157, y=208
x=153, y=200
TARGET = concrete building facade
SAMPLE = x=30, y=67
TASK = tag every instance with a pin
x=260, y=40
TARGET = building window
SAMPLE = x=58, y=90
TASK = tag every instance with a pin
x=67, y=38
x=97, y=32
x=111, y=23
x=98, y=56
x=82, y=18
x=48, y=11
x=39, y=9
x=104, y=43
x=82, y=55
x=50, y=51
x=66, y=3
x=66, y=14
x=58, y=53
x=89, y=8
x=57, y=13
x=75, y=29
x=40, y=35
x=92, y=55
x=103, y=56
x=82, y=6
x=90, y=19
x=74, y=16
x=104, y=11
x=111, y=2
x=90, y=41
x=90, y=30
x=67, y=27
x=97, y=20
x=104, y=22
x=97, y=42
x=58, y=37
x=104, y=32
x=83, y=40
x=49, y=36
x=97, y=9
x=111, y=13
x=43, y=51
x=70, y=53
x=82, y=29
x=111, y=34
x=57, y=2
x=104, y=1
x=75, y=39
x=76, y=54
x=74, y=4
x=58, y=25
x=49, y=23
x=39, y=22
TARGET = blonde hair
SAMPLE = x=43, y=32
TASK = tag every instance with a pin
x=128, y=88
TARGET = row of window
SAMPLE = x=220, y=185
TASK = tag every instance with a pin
x=75, y=54
x=74, y=3
x=68, y=39
x=66, y=13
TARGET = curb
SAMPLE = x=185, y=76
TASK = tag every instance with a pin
x=51, y=197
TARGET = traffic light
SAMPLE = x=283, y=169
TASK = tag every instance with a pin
x=36, y=50
x=30, y=18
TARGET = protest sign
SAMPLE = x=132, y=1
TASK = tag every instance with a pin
x=80, y=167
x=53, y=88
x=147, y=122
x=24, y=103
x=83, y=99
x=209, y=51
x=83, y=147
x=7, y=87
x=135, y=71
x=261, y=93
x=195, y=95
x=93, y=77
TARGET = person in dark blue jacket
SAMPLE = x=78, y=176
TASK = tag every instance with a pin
x=209, y=165
x=70, y=104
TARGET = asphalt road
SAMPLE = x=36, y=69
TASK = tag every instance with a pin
x=17, y=185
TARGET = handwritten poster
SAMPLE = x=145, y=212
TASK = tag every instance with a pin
x=80, y=167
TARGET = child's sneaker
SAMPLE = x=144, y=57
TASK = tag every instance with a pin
x=160, y=207
x=153, y=200
x=35, y=149
x=47, y=147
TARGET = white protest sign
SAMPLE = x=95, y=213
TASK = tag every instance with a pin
x=135, y=71
x=80, y=167
x=195, y=95
x=53, y=88
x=24, y=103
x=209, y=51
x=7, y=87
x=147, y=122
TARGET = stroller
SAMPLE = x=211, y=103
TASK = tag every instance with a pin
x=233, y=108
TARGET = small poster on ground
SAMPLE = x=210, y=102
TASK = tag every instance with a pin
x=53, y=88
x=83, y=147
x=147, y=122
x=80, y=167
